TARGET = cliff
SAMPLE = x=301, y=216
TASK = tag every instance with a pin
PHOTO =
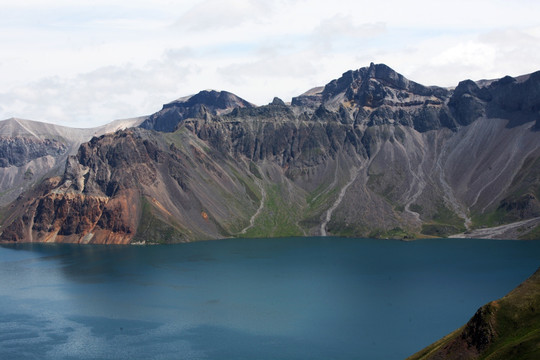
x=369, y=154
x=31, y=150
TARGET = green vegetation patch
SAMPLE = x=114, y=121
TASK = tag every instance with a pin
x=318, y=202
x=255, y=170
x=534, y=234
x=444, y=222
x=510, y=328
x=340, y=228
x=251, y=188
x=446, y=216
x=440, y=230
x=278, y=218
x=517, y=323
x=491, y=219
x=320, y=198
x=395, y=233
x=519, y=347
x=416, y=208
x=152, y=229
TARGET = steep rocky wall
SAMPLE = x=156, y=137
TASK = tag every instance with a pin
x=370, y=154
x=31, y=150
x=18, y=151
x=117, y=182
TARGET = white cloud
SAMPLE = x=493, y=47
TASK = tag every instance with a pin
x=218, y=14
x=96, y=97
x=516, y=51
x=342, y=29
x=492, y=54
x=468, y=53
x=88, y=62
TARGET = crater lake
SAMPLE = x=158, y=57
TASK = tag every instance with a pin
x=284, y=298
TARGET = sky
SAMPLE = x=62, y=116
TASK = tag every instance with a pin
x=85, y=63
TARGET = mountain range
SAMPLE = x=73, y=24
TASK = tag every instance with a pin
x=31, y=150
x=368, y=154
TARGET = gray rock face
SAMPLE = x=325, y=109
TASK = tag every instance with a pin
x=18, y=151
x=203, y=104
x=370, y=154
x=374, y=95
x=30, y=150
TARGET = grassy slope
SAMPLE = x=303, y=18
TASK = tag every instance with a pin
x=444, y=222
x=278, y=217
x=532, y=235
x=513, y=321
x=154, y=229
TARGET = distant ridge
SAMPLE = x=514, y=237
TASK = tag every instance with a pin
x=207, y=101
x=370, y=154
x=31, y=149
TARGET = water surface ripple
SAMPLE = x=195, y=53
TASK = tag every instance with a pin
x=288, y=298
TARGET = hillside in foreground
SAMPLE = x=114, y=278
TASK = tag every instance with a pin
x=508, y=328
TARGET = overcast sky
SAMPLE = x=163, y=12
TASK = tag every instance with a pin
x=84, y=63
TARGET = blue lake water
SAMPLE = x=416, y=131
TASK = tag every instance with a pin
x=288, y=298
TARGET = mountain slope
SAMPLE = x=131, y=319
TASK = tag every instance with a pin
x=132, y=184
x=508, y=328
x=370, y=154
x=207, y=101
x=30, y=150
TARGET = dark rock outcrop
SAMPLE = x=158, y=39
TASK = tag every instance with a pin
x=127, y=184
x=468, y=102
x=30, y=150
x=201, y=105
x=96, y=200
x=18, y=151
x=370, y=154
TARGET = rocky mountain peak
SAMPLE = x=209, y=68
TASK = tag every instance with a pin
x=216, y=101
x=374, y=85
x=515, y=99
x=200, y=105
x=277, y=102
x=405, y=152
x=384, y=73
